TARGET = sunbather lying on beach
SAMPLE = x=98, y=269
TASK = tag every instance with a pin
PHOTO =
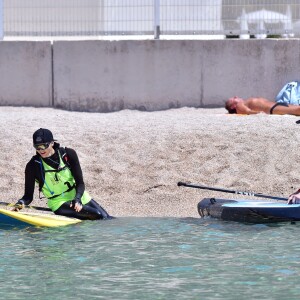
x=236, y=105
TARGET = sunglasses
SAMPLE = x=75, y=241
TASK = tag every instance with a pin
x=43, y=146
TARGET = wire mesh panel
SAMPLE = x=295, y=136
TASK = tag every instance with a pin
x=1, y=20
x=44, y=17
x=267, y=17
x=191, y=17
x=128, y=17
x=141, y=17
x=78, y=17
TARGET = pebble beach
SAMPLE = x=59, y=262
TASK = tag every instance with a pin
x=133, y=160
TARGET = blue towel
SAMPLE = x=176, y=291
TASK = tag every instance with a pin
x=290, y=93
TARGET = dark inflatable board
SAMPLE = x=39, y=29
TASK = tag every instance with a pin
x=249, y=211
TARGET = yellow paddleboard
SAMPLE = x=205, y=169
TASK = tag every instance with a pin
x=44, y=220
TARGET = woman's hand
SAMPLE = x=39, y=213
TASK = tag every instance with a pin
x=19, y=205
x=76, y=203
x=294, y=198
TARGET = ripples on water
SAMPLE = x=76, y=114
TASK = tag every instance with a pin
x=151, y=258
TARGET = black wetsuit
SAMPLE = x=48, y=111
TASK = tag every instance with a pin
x=90, y=211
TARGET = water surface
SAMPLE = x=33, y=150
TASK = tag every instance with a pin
x=151, y=258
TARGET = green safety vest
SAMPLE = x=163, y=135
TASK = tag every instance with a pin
x=59, y=185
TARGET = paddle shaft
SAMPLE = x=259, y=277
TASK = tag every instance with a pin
x=27, y=206
x=229, y=191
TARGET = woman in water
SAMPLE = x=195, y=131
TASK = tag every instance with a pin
x=59, y=176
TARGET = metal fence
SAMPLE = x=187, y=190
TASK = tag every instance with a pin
x=154, y=18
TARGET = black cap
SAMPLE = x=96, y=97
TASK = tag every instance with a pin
x=42, y=136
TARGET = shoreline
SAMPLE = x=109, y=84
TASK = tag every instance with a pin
x=132, y=160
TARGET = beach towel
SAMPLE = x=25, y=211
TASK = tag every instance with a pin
x=290, y=93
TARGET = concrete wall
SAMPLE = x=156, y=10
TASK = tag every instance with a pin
x=25, y=73
x=109, y=76
x=105, y=76
x=153, y=75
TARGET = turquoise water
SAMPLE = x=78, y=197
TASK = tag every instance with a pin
x=151, y=258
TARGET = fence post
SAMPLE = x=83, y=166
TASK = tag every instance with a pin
x=1, y=20
x=156, y=19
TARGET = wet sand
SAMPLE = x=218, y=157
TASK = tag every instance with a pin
x=132, y=160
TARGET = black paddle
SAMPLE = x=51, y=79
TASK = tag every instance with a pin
x=229, y=191
x=26, y=206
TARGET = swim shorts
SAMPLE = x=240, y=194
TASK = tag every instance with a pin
x=278, y=104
